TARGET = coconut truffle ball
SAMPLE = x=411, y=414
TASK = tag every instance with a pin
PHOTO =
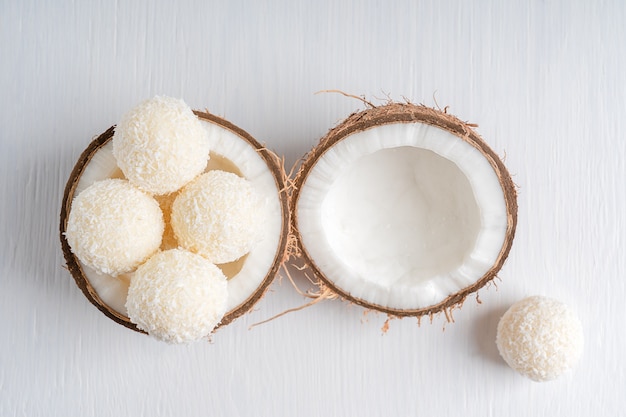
x=160, y=145
x=113, y=226
x=177, y=296
x=218, y=216
x=540, y=337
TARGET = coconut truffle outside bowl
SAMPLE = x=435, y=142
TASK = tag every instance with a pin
x=401, y=209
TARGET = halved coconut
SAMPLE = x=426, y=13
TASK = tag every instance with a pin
x=232, y=150
x=404, y=209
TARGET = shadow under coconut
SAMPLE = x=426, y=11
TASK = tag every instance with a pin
x=484, y=331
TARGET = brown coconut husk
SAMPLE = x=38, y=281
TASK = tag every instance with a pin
x=404, y=113
x=274, y=164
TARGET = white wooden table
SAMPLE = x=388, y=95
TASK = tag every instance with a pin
x=544, y=80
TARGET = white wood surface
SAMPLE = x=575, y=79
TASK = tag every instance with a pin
x=545, y=81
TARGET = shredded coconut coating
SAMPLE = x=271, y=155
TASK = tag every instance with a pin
x=217, y=216
x=160, y=145
x=177, y=296
x=113, y=226
x=540, y=337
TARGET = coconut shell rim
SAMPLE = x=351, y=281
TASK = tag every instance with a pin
x=406, y=113
x=73, y=265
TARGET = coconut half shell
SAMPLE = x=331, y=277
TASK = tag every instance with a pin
x=272, y=164
x=365, y=133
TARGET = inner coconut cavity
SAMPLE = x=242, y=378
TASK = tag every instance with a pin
x=402, y=215
x=231, y=153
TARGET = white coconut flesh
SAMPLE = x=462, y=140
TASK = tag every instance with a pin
x=403, y=215
x=231, y=153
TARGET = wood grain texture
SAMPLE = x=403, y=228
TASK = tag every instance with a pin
x=545, y=81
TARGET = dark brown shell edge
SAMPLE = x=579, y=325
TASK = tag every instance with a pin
x=73, y=264
x=407, y=113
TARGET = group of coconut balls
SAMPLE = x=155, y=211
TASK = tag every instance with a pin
x=117, y=226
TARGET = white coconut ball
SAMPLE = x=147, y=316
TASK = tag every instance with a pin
x=113, y=226
x=177, y=296
x=540, y=337
x=161, y=145
x=218, y=216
